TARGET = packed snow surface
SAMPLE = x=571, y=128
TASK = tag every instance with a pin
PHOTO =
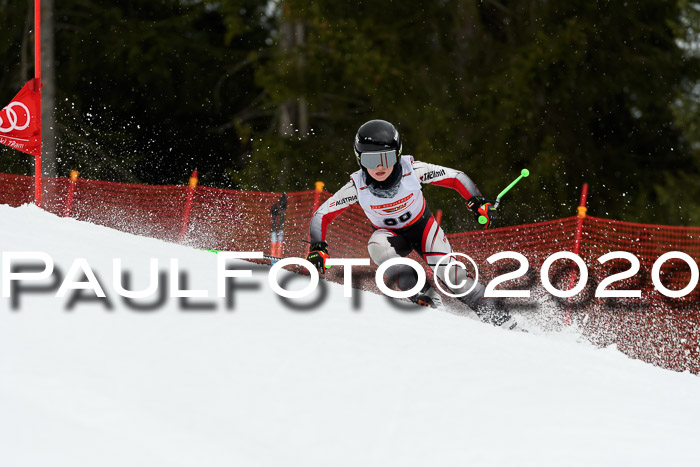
x=343, y=382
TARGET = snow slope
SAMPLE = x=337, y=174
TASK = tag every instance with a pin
x=266, y=384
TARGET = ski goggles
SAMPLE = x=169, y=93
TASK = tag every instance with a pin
x=372, y=160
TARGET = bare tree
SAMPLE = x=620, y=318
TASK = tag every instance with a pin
x=293, y=114
x=27, y=47
x=48, y=91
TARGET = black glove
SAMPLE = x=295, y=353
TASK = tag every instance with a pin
x=482, y=208
x=318, y=256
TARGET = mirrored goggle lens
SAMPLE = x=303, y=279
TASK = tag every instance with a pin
x=372, y=160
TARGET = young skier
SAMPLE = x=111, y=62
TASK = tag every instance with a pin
x=388, y=188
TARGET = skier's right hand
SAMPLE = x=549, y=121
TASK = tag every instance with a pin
x=318, y=256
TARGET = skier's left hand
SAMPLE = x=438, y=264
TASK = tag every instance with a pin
x=481, y=207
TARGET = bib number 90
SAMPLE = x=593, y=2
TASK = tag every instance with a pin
x=390, y=221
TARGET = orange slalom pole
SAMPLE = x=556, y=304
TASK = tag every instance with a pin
x=317, y=194
x=581, y=214
x=317, y=202
x=188, y=205
x=71, y=190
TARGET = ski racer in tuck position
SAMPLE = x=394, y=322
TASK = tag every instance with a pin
x=388, y=188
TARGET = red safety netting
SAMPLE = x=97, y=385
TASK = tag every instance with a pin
x=242, y=221
x=654, y=328
x=16, y=190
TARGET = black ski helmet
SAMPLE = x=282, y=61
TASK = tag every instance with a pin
x=377, y=135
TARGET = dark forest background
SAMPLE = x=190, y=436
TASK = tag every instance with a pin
x=268, y=95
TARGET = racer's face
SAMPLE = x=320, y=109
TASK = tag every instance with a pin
x=381, y=173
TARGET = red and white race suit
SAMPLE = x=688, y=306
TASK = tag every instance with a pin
x=403, y=222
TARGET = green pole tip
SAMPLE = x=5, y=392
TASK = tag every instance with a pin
x=524, y=172
x=483, y=220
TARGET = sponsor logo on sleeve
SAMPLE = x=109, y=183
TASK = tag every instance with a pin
x=346, y=200
x=433, y=174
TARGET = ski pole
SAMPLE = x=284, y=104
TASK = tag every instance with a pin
x=523, y=173
x=270, y=257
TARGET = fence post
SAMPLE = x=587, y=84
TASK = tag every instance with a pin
x=37, y=180
x=71, y=190
x=581, y=214
x=188, y=205
x=317, y=202
x=317, y=194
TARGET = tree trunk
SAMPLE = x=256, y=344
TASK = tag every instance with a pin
x=302, y=106
x=293, y=117
x=285, y=115
x=27, y=47
x=48, y=91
